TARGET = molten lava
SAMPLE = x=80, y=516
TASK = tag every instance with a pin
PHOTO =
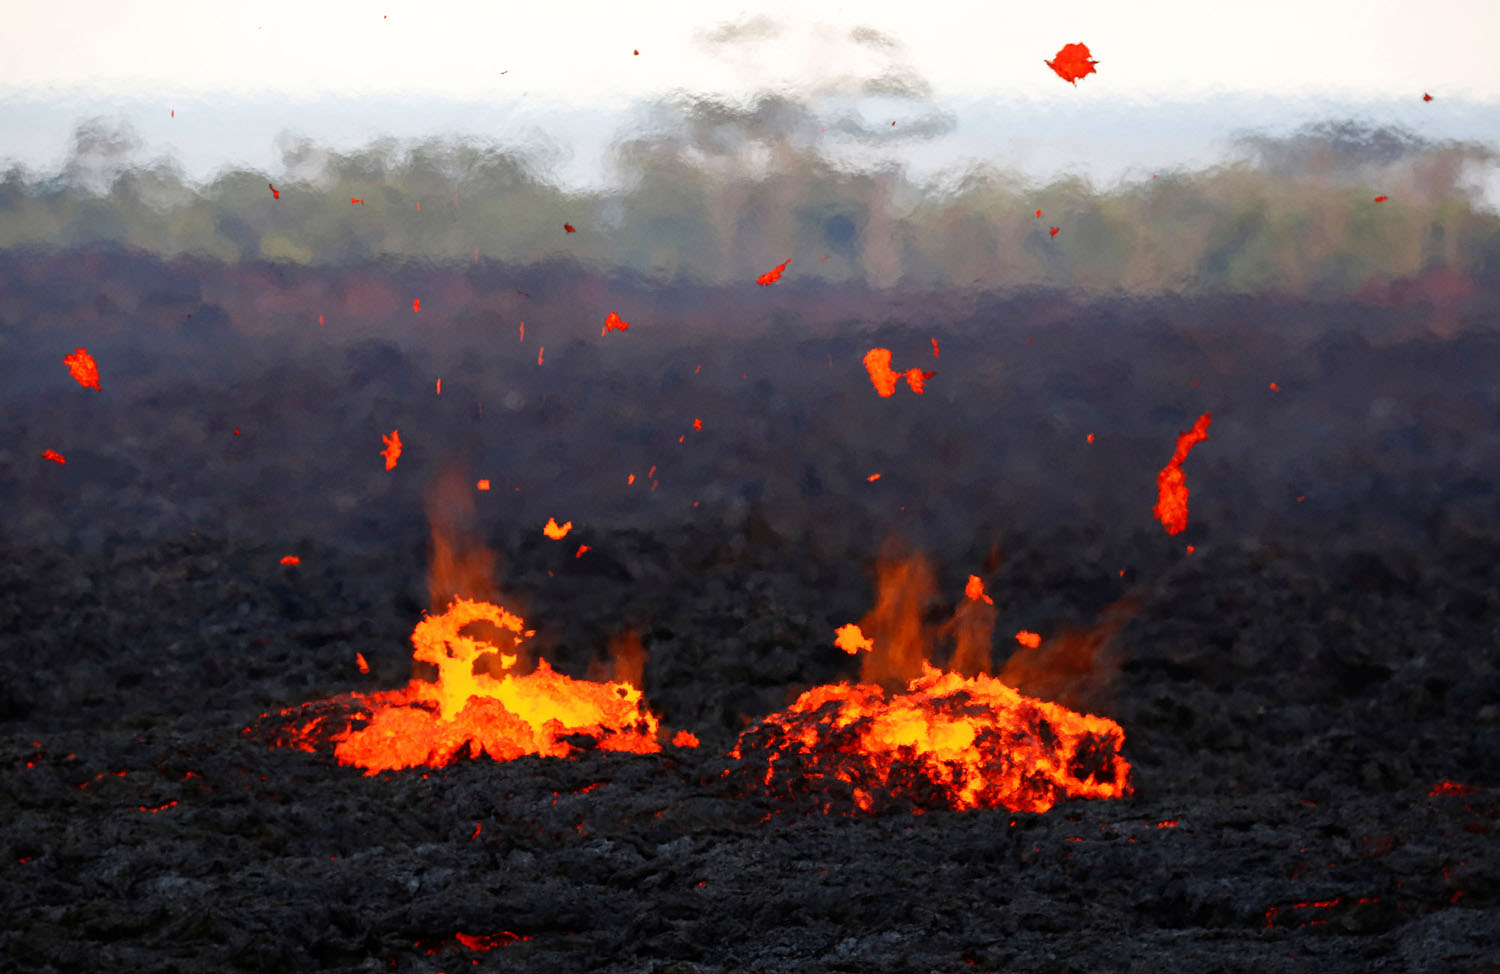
x=471, y=709
x=482, y=695
x=83, y=368
x=1073, y=62
x=929, y=738
x=1171, y=486
x=885, y=379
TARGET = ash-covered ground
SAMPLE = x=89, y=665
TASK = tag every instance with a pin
x=1292, y=692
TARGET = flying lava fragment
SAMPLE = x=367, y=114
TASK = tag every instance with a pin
x=290, y=560
x=885, y=379
x=974, y=589
x=772, y=276
x=1073, y=62
x=1426, y=96
x=54, y=456
x=416, y=304
x=1381, y=199
x=1171, y=486
x=569, y=228
x=1055, y=231
x=275, y=193
x=556, y=531
x=614, y=323
x=851, y=640
x=353, y=201
x=83, y=367
x=392, y=451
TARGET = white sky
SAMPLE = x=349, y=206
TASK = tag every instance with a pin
x=1175, y=80
x=579, y=51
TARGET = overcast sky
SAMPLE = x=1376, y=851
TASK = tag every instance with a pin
x=413, y=67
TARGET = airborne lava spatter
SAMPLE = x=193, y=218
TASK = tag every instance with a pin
x=83, y=368
x=936, y=739
x=1171, y=486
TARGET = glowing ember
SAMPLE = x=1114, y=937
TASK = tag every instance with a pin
x=614, y=323
x=1073, y=62
x=505, y=716
x=54, y=456
x=926, y=737
x=556, y=531
x=1171, y=486
x=878, y=364
x=851, y=640
x=392, y=451
x=83, y=368
x=774, y=274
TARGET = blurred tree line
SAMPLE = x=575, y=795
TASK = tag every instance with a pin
x=714, y=193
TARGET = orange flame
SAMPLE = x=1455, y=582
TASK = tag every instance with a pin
x=556, y=531
x=83, y=367
x=392, y=451
x=1171, y=486
x=773, y=275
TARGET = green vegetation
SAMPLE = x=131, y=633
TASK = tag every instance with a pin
x=713, y=195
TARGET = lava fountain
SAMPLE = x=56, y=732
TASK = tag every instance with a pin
x=483, y=701
x=916, y=735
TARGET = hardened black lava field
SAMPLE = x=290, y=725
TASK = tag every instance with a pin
x=1310, y=698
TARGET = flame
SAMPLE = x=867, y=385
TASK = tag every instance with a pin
x=83, y=368
x=955, y=738
x=392, y=451
x=1171, y=486
x=556, y=531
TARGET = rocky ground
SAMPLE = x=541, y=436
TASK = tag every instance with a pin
x=1295, y=693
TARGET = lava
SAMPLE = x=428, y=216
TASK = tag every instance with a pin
x=84, y=369
x=392, y=451
x=774, y=274
x=556, y=531
x=912, y=733
x=614, y=322
x=1171, y=486
x=1073, y=62
x=885, y=379
x=479, y=713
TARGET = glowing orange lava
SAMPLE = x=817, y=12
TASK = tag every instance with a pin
x=1031, y=640
x=1073, y=62
x=928, y=738
x=290, y=560
x=54, y=456
x=392, y=451
x=614, y=323
x=556, y=531
x=83, y=368
x=885, y=379
x=1171, y=486
x=774, y=274
x=493, y=711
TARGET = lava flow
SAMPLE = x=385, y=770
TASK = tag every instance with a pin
x=913, y=734
x=482, y=701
